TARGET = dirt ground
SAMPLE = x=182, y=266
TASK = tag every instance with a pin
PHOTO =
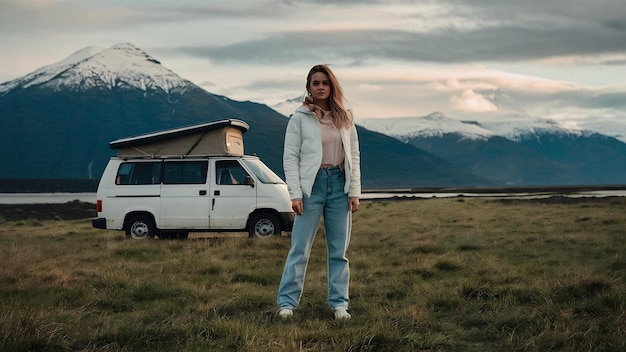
x=66, y=211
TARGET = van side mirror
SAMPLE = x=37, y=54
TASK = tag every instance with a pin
x=248, y=181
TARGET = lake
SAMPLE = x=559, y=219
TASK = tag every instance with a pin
x=57, y=198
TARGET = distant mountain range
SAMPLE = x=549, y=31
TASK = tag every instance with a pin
x=58, y=120
x=515, y=152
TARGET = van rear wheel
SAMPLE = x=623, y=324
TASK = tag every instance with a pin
x=263, y=226
x=140, y=227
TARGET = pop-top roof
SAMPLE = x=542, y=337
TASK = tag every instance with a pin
x=223, y=137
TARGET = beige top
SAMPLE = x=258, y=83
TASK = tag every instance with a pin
x=333, y=153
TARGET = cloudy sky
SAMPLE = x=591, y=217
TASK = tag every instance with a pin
x=480, y=59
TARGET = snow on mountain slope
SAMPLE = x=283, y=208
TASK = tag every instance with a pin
x=614, y=129
x=48, y=72
x=287, y=107
x=121, y=66
x=437, y=124
x=517, y=128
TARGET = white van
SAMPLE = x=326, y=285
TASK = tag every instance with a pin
x=169, y=194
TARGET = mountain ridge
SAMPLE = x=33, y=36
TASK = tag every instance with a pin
x=439, y=124
x=514, y=152
x=121, y=66
x=61, y=127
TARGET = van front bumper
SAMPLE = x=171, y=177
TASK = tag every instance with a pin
x=99, y=223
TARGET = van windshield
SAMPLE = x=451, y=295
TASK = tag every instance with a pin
x=261, y=171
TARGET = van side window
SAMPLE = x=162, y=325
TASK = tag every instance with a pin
x=134, y=173
x=229, y=172
x=185, y=172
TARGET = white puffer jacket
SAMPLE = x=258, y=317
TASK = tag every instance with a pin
x=302, y=155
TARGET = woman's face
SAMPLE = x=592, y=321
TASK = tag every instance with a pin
x=319, y=87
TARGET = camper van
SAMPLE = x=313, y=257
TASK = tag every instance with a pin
x=192, y=179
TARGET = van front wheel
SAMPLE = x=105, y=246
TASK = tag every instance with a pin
x=140, y=227
x=263, y=226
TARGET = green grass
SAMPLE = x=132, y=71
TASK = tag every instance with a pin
x=427, y=275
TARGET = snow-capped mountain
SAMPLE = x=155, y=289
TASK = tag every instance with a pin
x=48, y=72
x=514, y=121
x=435, y=124
x=288, y=106
x=438, y=125
x=122, y=66
x=57, y=122
x=515, y=151
x=614, y=129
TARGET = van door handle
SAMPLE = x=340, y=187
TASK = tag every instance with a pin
x=217, y=192
x=202, y=192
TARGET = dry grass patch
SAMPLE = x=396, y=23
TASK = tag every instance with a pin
x=452, y=274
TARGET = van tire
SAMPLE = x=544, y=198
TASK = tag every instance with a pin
x=140, y=227
x=263, y=226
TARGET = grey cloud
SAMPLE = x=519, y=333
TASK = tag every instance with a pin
x=617, y=24
x=615, y=62
x=616, y=100
x=572, y=9
x=78, y=15
x=207, y=10
x=332, y=2
x=276, y=49
x=207, y=84
x=583, y=99
x=449, y=46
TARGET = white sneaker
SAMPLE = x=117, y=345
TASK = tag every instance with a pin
x=285, y=313
x=342, y=314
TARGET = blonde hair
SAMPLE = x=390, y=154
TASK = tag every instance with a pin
x=342, y=117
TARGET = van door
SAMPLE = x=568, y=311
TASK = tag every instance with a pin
x=185, y=195
x=233, y=195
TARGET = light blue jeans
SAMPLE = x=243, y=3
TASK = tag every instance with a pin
x=327, y=199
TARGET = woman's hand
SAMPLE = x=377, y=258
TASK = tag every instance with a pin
x=297, y=207
x=353, y=205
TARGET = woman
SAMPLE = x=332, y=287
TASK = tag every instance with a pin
x=322, y=167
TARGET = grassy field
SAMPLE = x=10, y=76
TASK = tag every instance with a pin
x=456, y=274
